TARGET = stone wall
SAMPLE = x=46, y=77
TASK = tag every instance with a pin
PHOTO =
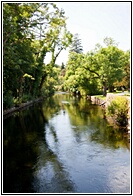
x=96, y=100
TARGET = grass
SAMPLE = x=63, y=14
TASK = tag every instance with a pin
x=126, y=93
x=100, y=97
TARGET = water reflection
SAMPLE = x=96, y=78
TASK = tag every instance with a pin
x=20, y=135
x=50, y=175
x=64, y=145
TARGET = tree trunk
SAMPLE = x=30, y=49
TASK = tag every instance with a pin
x=104, y=88
x=21, y=87
x=42, y=81
x=111, y=89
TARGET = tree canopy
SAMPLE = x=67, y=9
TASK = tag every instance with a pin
x=30, y=31
x=33, y=30
x=98, y=69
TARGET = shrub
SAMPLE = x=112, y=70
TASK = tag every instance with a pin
x=26, y=97
x=23, y=99
x=118, y=109
x=17, y=101
x=7, y=100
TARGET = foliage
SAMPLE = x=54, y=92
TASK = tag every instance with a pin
x=33, y=30
x=77, y=79
x=61, y=78
x=76, y=45
x=100, y=68
x=97, y=69
x=8, y=100
x=26, y=97
x=118, y=109
x=125, y=82
x=30, y=31
x=106, y=65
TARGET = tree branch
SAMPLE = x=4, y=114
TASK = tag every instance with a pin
x=92, y=71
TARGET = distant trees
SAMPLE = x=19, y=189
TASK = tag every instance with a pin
x=97, y=69
x=77, y=78
x=76, y=45
x=107, y=65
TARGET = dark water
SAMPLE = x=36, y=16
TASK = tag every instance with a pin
x=64, y=145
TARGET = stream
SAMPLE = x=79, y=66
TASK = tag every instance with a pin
x=64, y=145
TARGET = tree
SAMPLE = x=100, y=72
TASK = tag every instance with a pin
x=57, y=38
x=17, y=50
x=30, y=31
x=108, y=41
x=125, y=82
x=100, y=68
x=106, y=64
x=76, y=45
x=77, y=79
x=112, y=62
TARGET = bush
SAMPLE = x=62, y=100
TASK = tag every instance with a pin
x=118, y=109
x=7, y=101
x=17, y=101
x=23, y=99
x=26, y=97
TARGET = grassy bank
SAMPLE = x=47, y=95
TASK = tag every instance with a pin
x=125, y=93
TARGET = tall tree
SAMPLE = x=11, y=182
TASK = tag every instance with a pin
x=76, y=45
x=57, y=38
x=106, y=65
x=30, y=30
x=77, y=78
x=125, y=82
x=17, y=50
x=101, y=67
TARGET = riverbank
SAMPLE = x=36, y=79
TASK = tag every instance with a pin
x=101, y=101
x=21, y=106
x=105, y=101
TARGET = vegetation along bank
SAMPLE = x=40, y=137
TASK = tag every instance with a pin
x=116, y=108
x=31, y=31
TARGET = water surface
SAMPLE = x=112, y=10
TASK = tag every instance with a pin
x=64, y=145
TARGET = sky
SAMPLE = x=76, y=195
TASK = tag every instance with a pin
x=94, y=21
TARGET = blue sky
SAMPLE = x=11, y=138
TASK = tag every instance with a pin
x=94, y=21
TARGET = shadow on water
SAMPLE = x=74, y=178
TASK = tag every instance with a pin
x=63, y=145
x=24, y=142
